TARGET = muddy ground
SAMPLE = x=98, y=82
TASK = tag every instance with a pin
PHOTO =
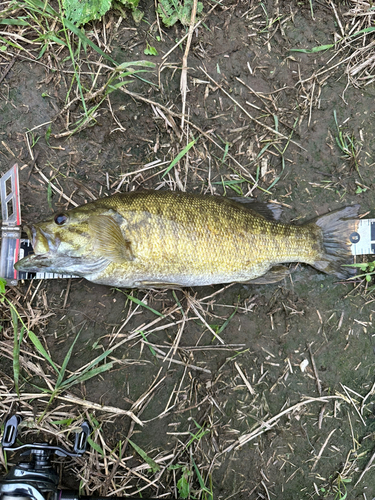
x=240, y=67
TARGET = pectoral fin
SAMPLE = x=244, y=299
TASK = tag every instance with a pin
x=109, y=240
x=275, y=274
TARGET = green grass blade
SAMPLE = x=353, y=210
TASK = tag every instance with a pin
x=16, y=350
x=78, y=80
x=78, y=32
x=140, y=303
x=201, y=482
x=14, y=22
x=177, y=301
x=41, y=8
x=126, y=64
x=226, y=322
x=14, y=45
x=179, y=156
x=93, y=363
x=154, y=466
x=66, y=421
x=226, y=149
x=95, y=446
x=86, y=375
x=66, y=361
x=118, y=85
x=2, y=288
x=263, y=150
x=276, y=120
x=279, y=176
x=148, y=344
x=370, y=29
x=39, y=347
x=320, y=48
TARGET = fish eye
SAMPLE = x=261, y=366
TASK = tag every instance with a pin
x=60, y=219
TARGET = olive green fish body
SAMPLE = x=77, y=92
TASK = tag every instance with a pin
x=145, y=239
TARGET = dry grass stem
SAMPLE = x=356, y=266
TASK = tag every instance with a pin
x=353, y=404
x=268, y=424
x=319, y=456
x=183, y=81
x=243, y=376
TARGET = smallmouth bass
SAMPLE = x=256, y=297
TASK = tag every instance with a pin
x=171, y=239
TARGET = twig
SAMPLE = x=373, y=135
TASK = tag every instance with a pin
x=311, y=103
x=205, y=322
x=8, y=68
x=266, y=489
x=268, y=424
x=370, y=393
x=82, y=402
x=194, y=28
x=242, y=375
x=183, y=81
x=322, y=449
x=366, y=469
x=67, y=292
x=352, y=402
x=187, y=365
x=319, y=386
x=55, y=188
x=321, y=415
x=337, y=18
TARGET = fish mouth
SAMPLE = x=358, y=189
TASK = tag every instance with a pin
x=62, y=264
x=34, y=263
x=47, y=257
x=44, y=251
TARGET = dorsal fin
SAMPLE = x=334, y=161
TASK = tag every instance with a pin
x=268, y=210
x=108, y=238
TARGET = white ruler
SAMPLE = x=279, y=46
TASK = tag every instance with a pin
x=363, y=240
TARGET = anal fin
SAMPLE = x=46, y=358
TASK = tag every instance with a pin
x=158, y=284
x=275, y=274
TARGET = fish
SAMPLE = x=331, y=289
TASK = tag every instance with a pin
x=157, y=239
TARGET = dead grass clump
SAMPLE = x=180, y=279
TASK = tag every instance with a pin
x=359, y=35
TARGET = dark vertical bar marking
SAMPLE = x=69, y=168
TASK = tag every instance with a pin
x=372, y=231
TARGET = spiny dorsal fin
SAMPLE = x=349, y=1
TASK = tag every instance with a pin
x=108, y=239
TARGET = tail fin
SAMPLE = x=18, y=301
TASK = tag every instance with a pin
x=337, y=227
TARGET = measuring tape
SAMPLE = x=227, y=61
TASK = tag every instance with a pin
x=14, y=247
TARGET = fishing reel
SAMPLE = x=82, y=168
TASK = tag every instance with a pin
x=37, y=479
